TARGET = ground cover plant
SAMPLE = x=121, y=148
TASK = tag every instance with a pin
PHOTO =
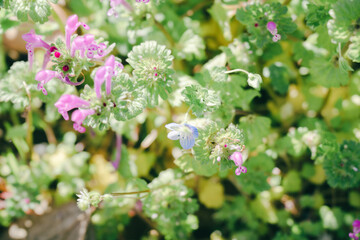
x=180, y=119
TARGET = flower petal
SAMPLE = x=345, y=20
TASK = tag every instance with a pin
x=194, y=130
x=173, y=135
x=173, y=126
x=187, y=141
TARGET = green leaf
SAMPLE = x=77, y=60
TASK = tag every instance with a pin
x=190, y=46
x=326, y=74
x=344, y=65
x=317, y=15
x=128, y=99
x=302, y=55
x=38, y=10
x=201, y=100
x=256, y=16
x=170, y=199
x=152, y=72
x=255, y=129
x=346, y=11
x=292, y=182
x=341, y=167
x=279, y=78
x=354, y=199
x=258, y=170
x=187, y=163
x=216, y=75
x=220, y=15
x=353, y=51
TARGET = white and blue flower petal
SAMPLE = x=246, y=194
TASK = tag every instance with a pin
x=187, y=140
x=174, y=135
x=174, y=126
x=194, y=130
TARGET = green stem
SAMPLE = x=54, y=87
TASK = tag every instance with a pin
x=29, y=122
x=58, y=20
x=3, y=65
x=127, y=193
x=165, y=32
x=233, y=180
x=187, y=114
x=237, y=70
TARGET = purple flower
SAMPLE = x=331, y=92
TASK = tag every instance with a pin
x=271, y=26
x=68, y=102
x=276, y=37
x=356, y=230
x=105, y=74
x=81, y=43
x=86, y=44
x=79, y=116
x=45, y=76
x=114, y=4
x=238, y=160
x=72, y=25
x=185, y=132
x=35, y=41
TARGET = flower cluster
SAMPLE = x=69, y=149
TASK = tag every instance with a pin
x=271, y=26
x=356, y=230
x=68, y=59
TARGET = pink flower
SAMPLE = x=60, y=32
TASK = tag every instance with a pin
x=114, y=4
x=35, y=41
x=86, y=44
x=72, y=25
x=276, y=37
x=105, y=74
x=238, y=160
x=356, y=230
x=68, y=102
x=271, y=26
x=45, y=76
x=79, y=116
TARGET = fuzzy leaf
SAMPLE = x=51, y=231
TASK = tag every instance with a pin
x=353, y=51
x=200, y=99
x=191, y=46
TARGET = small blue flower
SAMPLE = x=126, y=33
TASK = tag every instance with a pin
x=185, y=132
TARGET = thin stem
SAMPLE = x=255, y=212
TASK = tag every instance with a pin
x=50, y=135
x=197, y=7
x=187, y=114
x=127, y=193
x=29, y=121
x=327, y=96
x=165, y=32
x=58, y=20
x=237, y=70
x=148, y=221
x=242, y=113
x=116, y=163
x=233, y=180
x=3, y=65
